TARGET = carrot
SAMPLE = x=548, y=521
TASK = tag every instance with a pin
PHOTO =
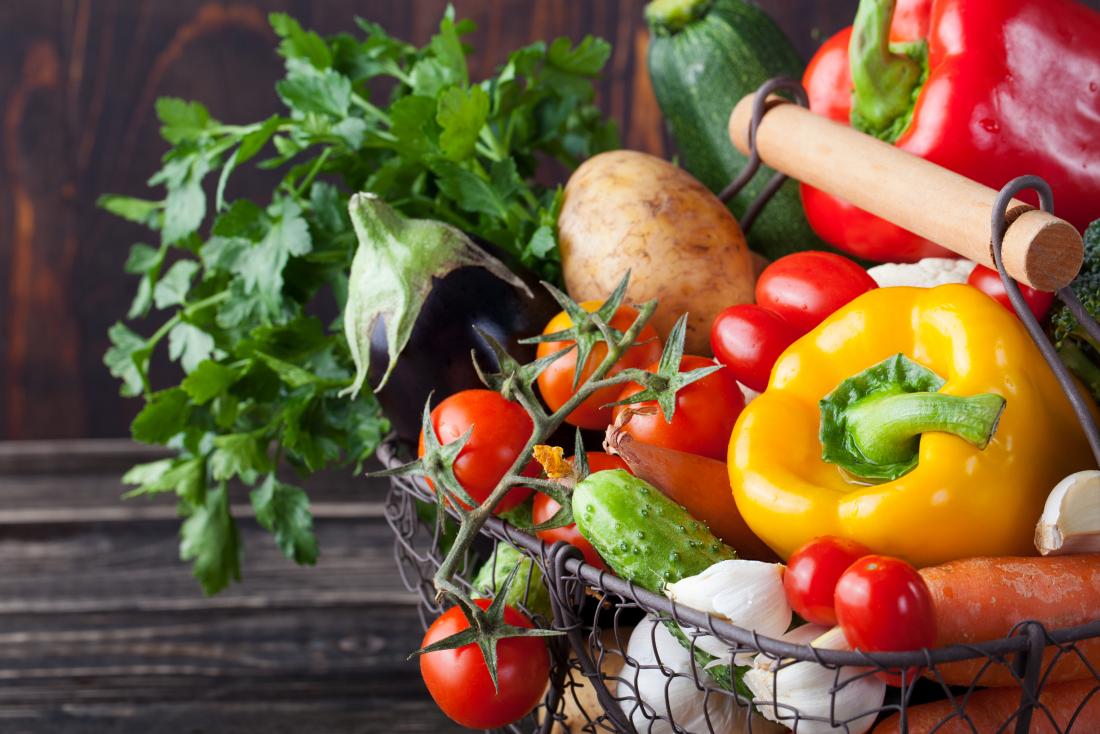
x=699, y=483
x=979, y=599
x=1071, y=706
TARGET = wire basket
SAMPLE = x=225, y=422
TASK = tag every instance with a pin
x=620, y=668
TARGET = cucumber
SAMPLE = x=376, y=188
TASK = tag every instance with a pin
x=704, y=56
x=640, y=533
x=647, y=538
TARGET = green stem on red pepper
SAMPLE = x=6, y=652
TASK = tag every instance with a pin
x=886, y=77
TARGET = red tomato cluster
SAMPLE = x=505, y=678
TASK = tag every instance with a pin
x=793, y=295
x=880, y=602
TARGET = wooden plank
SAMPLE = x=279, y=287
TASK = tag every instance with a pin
x=102, y=628
x=355, y=714
x=135, y=566
x=208, y=670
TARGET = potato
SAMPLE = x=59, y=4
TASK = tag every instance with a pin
x=625, y=210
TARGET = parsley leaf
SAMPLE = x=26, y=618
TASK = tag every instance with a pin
x=181, y=120
x=300, y=44
x=172, y=288
x=209, y=537
x=309, y=89
x=461, y=115
x=238, y=454
x=141, y=211
x=284, y=511
x=189, y=345
x=164, y=416
x=127, y=358
x=185, y=477
x=207, y=381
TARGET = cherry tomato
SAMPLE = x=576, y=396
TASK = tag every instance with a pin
x=546, y=506
x=556, y=381
x=882, y=603
x=459, y=681
x=988, y=281
x=500, y=431
x=748, y=339
x=703, y=420
x=806, y=287
x=812, y=573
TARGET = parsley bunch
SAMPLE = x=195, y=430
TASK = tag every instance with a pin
x=240, y=282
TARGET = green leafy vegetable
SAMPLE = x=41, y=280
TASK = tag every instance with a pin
x=247, y=293
x=1077, y=348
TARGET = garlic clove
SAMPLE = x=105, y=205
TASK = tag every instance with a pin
x=803, y=635
x=806, y=697
x=831, y=639
x=748, y=594
x=1070, y=522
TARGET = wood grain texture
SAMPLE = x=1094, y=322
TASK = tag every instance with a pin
x=102, y=629
x=77, y=84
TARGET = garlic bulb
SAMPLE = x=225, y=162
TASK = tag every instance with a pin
x=663, y=685
x=800, y=695
x=749, y=594
x=1070, y=522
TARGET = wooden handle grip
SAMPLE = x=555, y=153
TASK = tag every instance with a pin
x=1039, y=249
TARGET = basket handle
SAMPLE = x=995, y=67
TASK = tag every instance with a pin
x=1039, y=249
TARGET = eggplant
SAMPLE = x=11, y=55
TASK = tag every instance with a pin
x=436, y=358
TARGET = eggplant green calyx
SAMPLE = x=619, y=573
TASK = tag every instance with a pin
x=887, y=78
x=872, y=422
x=668, y=17
x=392, y=274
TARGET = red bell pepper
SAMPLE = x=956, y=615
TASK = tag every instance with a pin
x=991, y=89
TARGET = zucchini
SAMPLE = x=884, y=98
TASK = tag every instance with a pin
x=704, y=56
x=645, y=537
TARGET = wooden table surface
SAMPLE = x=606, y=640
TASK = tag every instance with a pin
x=102, y=628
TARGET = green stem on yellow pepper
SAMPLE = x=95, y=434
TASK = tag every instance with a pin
x=886, y=429
x=871, y=422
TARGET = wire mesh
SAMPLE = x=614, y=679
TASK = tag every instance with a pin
x=621, y=668
x=633, y=661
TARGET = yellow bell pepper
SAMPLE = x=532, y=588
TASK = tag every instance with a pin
x=959, y=499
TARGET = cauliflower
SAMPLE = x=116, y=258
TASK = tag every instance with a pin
x=927, y=273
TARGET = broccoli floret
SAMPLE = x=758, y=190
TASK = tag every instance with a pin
x=1077, y=349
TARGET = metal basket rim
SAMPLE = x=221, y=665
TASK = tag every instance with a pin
x=741, y=637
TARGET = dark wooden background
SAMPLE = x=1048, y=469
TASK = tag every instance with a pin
x=78, y=79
